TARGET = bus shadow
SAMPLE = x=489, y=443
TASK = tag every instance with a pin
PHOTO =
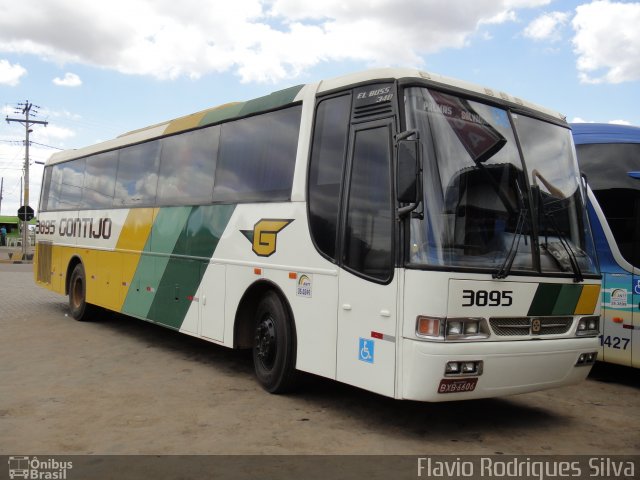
x=619, y=374
x=187, y=347
x=458, y=421
x=453, y=421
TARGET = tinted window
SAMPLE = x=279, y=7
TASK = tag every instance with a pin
x=257, y=157
x=554, y=178
x=46, y=189
x=325, y=171
x=100, y=180
x=187, y=164
x=137, y=174
x=66, y=185
x=369, y=223
x=473, y=178
x=607, y=167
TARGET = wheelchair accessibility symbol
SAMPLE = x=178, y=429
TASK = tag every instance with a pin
x=636, y=287
x=366, y=350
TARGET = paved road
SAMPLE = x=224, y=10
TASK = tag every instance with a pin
x=120, y=385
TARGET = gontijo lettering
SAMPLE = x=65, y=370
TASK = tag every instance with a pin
x=78, y=227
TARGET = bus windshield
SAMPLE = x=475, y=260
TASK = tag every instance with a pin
x=492, y=202
x=611, y=168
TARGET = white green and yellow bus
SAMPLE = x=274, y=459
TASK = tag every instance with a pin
x=406, y=233
x=610, y=157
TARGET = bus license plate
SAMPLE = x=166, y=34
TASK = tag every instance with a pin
x=457, y=385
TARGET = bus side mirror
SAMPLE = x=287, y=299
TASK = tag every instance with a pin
x=408, y=174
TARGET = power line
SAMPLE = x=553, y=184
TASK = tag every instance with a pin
x=47, y=146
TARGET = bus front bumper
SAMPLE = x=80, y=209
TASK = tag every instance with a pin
x=508, y=368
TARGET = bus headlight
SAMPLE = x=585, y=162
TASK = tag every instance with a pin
x=466, y=329
x=588, y=326
x=587, y=359
x=463, y=368
x=454, y=327
x=439, y=329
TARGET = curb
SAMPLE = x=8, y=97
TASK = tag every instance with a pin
x=15, y=257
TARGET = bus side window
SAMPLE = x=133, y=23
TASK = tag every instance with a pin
x=71, y=177
x=137, y=176
x=257, y=157
x=326, y=170
x=187, y=165
x=100, y=180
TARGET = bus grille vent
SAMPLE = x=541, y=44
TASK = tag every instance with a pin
x=44, y=262
x=520, y=326
x=382, y=108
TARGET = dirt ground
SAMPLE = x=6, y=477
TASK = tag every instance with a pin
x=123, y=386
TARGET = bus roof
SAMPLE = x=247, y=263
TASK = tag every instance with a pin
x=281, y=98
x=604, y=133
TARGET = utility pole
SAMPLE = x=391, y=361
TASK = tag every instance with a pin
x=26, y=110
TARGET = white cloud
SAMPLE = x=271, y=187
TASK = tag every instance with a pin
x=52, y=135
x=69, y=80
x=11, y=74
x=260, y=40
x=616, y=122
x=607, y=42
x=547, y=26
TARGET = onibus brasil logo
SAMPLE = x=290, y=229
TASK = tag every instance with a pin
x=33, y=468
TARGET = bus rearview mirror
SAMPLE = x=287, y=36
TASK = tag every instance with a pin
x=407, y=175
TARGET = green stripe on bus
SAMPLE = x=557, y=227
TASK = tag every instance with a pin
x=165, y=232
x=193, y=249
x=262, y=104
x=221, y=114
x=544, y=299
x=271, y=101
x=567, y=300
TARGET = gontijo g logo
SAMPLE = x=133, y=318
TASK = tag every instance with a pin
x=264, y=235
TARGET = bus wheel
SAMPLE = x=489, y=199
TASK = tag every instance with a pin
x=274, y=345
x=80, y=309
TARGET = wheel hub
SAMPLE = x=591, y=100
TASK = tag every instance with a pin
x=266, y=342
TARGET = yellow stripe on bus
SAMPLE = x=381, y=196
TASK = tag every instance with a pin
x=133, y=238
x=588, y=300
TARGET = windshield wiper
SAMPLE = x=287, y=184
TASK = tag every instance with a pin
x=505, y=269
x=571, y=255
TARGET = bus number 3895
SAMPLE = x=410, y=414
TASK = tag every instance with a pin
x=484, y=298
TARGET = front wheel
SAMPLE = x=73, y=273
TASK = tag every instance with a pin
x=274, y=348
x=80, y=309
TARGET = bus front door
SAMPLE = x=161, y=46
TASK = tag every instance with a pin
x=366, y=334
x=367, y=300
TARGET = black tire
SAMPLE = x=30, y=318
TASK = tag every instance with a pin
x=80, y=309
x=274, y=345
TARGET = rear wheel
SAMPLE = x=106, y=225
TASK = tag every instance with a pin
x=80, y=309
x=274, y=345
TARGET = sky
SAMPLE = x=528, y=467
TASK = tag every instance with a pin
x=96, y=70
